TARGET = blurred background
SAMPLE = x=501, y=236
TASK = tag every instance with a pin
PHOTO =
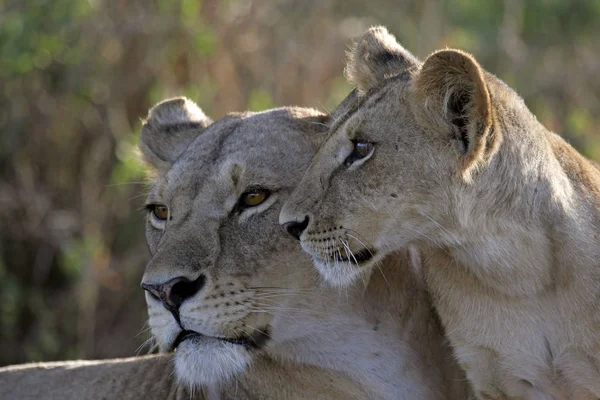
x=76, y=76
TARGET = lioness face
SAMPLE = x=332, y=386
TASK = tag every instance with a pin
x=222, y=270
x=387, y=175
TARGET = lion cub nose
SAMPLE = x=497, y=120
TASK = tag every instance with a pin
x=296, y=228
x=174, y=292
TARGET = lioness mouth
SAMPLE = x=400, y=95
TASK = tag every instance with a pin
x=254, y=341
x=359, y=257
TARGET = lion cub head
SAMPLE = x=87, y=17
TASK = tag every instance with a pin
x=221, y=271
x=415, y=153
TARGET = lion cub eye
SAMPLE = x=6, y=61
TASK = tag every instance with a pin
x=253, y=198
x=160, y=211
x=361, y=151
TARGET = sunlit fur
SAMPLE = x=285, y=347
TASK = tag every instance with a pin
x=505, y=213
x=380, y=332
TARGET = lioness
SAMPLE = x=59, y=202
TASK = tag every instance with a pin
x=151, y=377
x=378, y=339
x=225, y=286
x=445, y=156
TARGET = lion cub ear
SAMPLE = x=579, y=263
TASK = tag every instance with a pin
x=168, y=130
x=453, y=99
x=375, y=57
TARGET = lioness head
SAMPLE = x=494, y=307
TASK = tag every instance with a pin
x=222, y=270
x=402, y=160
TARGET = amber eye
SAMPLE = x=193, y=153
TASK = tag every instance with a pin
x=160, y=211
x=361, y=150
x=254, y=197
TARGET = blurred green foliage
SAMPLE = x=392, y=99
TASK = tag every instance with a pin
x=77, y=76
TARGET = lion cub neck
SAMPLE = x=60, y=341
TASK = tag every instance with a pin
x=516, y=282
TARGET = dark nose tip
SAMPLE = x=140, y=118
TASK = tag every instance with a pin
x=296, y=228
x=174, y=292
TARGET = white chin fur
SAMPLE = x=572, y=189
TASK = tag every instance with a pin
x=339, y=274
x=204, y=361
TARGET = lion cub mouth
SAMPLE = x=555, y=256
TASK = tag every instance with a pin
x=254, y=341
x=360, y=257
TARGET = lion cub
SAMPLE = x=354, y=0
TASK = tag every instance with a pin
x=445, y=156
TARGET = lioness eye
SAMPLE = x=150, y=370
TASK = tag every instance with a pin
x=160, y=211
x=254, y=197
x=361, y=150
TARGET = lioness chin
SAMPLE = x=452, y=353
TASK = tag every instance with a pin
x=226, y=286
x=444, y=156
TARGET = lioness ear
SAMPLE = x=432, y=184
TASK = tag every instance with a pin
x=168, y=131
x=376, y=57
x=452, y=99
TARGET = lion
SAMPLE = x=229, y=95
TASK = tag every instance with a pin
x=226, y=286
x=445, y=157
x=151, y=377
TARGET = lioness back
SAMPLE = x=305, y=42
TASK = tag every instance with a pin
x=445, y=157
x=152, y=377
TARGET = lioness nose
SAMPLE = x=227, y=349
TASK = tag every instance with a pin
x=296, y=228
x=174, y=292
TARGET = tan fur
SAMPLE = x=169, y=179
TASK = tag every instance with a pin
x=449, y=73
x=505, y=213
x=151, y=377
x=380, y=332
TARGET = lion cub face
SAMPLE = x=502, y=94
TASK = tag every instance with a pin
x=222, y=270
x=389, y=173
